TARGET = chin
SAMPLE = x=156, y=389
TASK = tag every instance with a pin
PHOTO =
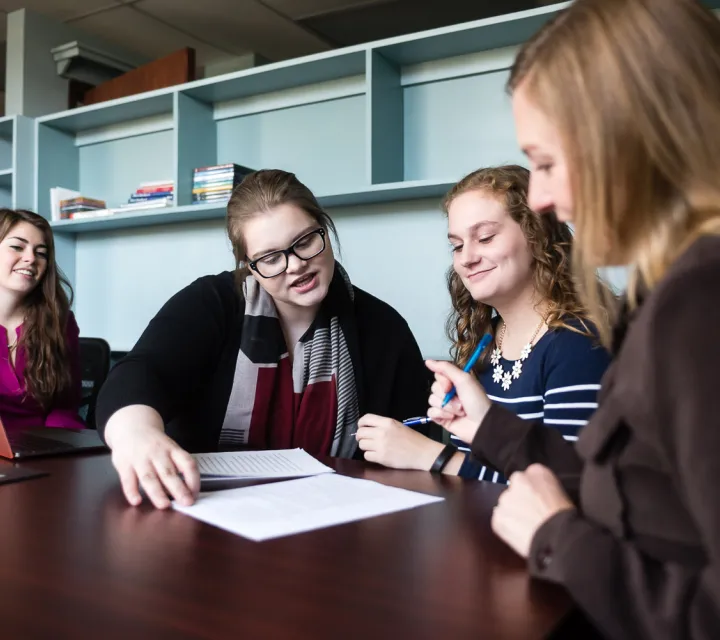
x=479, y=292
x=312, y=298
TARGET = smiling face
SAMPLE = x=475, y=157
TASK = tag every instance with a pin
x=305, y=283
x=490, y=252
x=23, y=259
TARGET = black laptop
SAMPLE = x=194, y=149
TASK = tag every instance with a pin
x=46, y=441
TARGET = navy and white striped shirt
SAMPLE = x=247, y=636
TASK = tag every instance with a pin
x=558, y=386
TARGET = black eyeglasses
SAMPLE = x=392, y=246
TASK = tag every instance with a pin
x=306, y=247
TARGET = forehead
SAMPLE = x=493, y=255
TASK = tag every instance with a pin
x=28, y=232
x=532, y=127
x=276, y=228
x=473, y=207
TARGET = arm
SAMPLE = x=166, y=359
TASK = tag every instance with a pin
x=571, y=379
x=64, y=412
x=174, y=356
x=383, y=439
x=631, y=594
x=509, y=443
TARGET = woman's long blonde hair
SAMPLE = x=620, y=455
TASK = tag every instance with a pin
x=550, y=243
x=633, y=87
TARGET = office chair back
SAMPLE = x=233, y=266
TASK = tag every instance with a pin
x=95, y=364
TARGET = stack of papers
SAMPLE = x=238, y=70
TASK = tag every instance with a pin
x=285, y=508
x=258, y=465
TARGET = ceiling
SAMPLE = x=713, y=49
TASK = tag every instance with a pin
x=220, y=30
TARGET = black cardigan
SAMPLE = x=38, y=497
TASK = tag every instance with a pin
x=184, y=363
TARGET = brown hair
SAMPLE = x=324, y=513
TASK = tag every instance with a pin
x=44, y=338
x=259, y=192
x=550, y=243
x=634, y=89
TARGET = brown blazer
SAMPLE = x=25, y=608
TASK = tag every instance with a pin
x=641, y=553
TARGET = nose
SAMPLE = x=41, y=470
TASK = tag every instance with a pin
x=470, y=255
x=29, y=256
x=539, y=197
x=295, y=263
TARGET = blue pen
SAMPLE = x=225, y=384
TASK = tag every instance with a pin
x=470, y=364
x=411, y=422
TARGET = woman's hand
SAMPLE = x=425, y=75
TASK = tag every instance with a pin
x=464, y=413
x=391, y=443
x=145, y=457
x=531, y=499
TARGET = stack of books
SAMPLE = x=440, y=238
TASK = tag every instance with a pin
x=150, y=195
x=215, y=183
x=81, y=207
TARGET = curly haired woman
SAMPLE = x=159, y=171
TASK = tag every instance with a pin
x=510, y=277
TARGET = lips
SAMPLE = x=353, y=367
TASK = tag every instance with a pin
x=479, y=274
x=303, y=280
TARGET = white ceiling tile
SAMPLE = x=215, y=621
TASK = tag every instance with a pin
x=298, y=9
x=58, y=9
x=238, y=26
x=146, y=35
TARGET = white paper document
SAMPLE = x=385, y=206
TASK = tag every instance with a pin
x=258, y=465
x=285, y=508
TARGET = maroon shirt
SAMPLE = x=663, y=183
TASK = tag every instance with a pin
x=18, y=410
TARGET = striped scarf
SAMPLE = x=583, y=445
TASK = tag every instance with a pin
x=311, y=403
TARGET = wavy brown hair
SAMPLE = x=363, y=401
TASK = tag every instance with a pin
x=259, y=192
x=633, y=87
x=550, y=243
x=46, y=309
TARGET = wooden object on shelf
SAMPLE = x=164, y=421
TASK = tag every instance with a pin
x=176, y=68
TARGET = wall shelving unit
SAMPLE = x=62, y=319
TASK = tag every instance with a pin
x=342, y=120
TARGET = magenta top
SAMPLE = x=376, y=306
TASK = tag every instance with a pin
x=18, y=410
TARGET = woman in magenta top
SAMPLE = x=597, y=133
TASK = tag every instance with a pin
x=40, y=379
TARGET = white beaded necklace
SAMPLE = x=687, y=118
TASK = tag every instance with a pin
x=506, y=377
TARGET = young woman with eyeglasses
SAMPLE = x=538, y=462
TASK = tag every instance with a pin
x=283, y=352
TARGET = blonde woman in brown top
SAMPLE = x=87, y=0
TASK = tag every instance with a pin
x=617, y=107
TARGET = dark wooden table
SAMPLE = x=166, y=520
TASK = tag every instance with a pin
x=76, y=562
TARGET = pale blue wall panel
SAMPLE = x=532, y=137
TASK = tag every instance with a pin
x=24, y=163
x=57, y=164
x=6, y=153
x=384, y=120
x=456, y=126
x=6, y=197
x=195, y=143
x=112, y=170
x=123, y=278
x=324, y=143
x=397, y=252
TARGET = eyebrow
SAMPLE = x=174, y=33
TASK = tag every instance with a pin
x=474, y=228
x=40, y=246
x=259, y=254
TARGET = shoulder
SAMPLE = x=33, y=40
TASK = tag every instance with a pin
x=578, y=334
x=72, y=330
x=688, y=287
x=213, y=289
x=573, y=351
x=222, y=284
x=371, y=312
x=678, y=324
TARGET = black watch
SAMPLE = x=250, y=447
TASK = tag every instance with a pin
x=444, y=457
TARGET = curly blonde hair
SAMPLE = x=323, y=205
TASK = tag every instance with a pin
x=550, y=243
